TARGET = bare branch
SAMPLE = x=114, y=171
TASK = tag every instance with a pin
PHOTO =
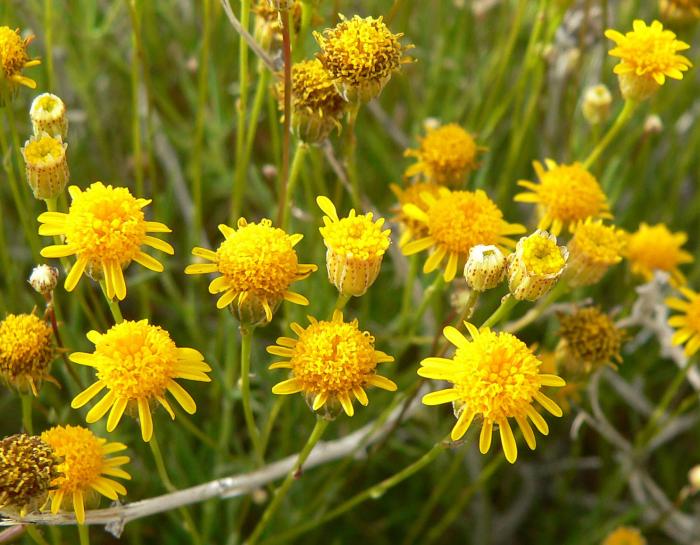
x=254, y=46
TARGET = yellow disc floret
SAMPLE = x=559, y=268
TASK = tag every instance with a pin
x=86, y=469
x=330, y=362
x=105, y=228
x=655, y=248
x=566, y=194
x=13, y=59
x=138, y=363
x=495, y=376
x=687, y=323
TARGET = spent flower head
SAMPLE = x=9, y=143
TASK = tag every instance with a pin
x=46, y=165
x=535, y=266
x=331, y=363
x=257, y=263
x=48, y=114
x=13, y=59
x=104, y=228
x=594, y=248
x=138, y=363
x=494, y=377
x=687, y=323
x=655, y=248
x=44, y=279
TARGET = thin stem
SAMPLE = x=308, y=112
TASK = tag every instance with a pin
x=84, y=534
x=407, y=296
x=135, y=84
x=533, y=314
x=342, y=300
x=622, y=119
x=258, y=101
x=428, y=295
x=48, y=42
x=502, y=312
x=297, y=163
x=286, y=133
x=294, y=474
x=270, y=424
x=27, y=413
x=50, y=314
x=253, y=433
x=113, y=305
x=307, y=11
x=34, y=534
x=351, y=156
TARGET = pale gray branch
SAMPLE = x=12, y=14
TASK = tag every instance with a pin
x=254, y=46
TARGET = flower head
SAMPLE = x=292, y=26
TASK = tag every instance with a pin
x=48, y=114
x=494, y=377
x=105, y=229
x=485, y=268
x=624, y=535
x=593, y=249
x=589, y=339
x=596, y=104
x=360, y=55
x=268, y=26
x=687, y=323
x=680, y=11
x=331, y=363
x=565, y=195
x=355, y=248
x=28, y=467
x=648, y=55
x=535, y=266
x=655, y=247
x=14, y=59
x=26, y=351
x=411, y=193
x=44, y=279
x=445, y=156
x=86, y=469
x=456, y=222
x=257, y=263
x=138, y=363
x=46, y=165
x=317, y=107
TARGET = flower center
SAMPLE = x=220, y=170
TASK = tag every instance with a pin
x=542, y=256
x=45, y=149
x=13, y=51
x=82, y=456
x=47, y=104
x=356, y=237
x=591, y=335
x=462, y=219
x=570, y=193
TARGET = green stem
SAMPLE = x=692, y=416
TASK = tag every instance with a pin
x=307, y=12
x=270, y=424
x=294, y=474
x=502, y=312
x=351, y=156
x=84, y=534
x=624, y=116
x=342, y=300
x=407, y=296
x=48, y=42
x=428, y=296
x=135, y=84
x=258, y=101
x=533, y=314
x=27, y=413
x=254, y=434
x=297, y=163
x=113, y=305
x=35, y=534
x=286, y=123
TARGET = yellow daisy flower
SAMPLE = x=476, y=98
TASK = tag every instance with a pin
x=14, y=59
x=624, y=535
x=648, y=55
x=565, y=195
x=105, y=229
x=457, y=221
x=331, y=363
x=593, y=249
x=356, y=246
x=655, y=248
x=257, y=264
x=445, y=156
x=687, y=322
x=494, y=377
x=86, y=469
x=535, y=266
x=138, y=363
x=411, y=193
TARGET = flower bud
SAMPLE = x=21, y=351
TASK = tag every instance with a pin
x=46, y=165
x=44, y=279
x=250, y=311
x=485, y=268
x=694, y=478
x=653, y=124
x=48, y=114
x=535, y=266
x=596, y=104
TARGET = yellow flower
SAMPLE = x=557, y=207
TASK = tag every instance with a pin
x=535, y=266
x=457, y=221
x=331, y=363
x=46, y=165
x=593, y=249
x=138, y=363
x=568, y=394
x=445, y=156
x=360, y=55
x=316, y=105
x=680, y=11
x=14, y=59
x=589, y=339
x=86, y=468
x=28, y=467
x=648, y=55
x=257, y=264
x=688, y=322
x=26, y=351
x=654, y=247
x=494, y=377
x=565, y=195
x=355, y=248
x=624, y=535
x=412, y=194
x=105, y=229
x=48, y=114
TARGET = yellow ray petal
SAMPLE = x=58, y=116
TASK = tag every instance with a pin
x=510, y=448
x=183, y=398
x=86, y=395
x=145, y=420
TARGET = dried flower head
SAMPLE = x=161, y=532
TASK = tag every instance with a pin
x=360, y=55
x=680, y=12
x=268, y=25
x=687, y=323
x=105, y=229
x=494, y=377
x=566, y=194
x=46, y=165
x=624, y=535
x=485, y=268
x=44, y=279
x=138, y=363
x=14, y=59
x=535, y=266
x=445, y=156
x=257, y=263
x=355, y=248
x=596, y=104
x=593, y=249
x=48, y=114
x=86, y=470
x=330, y=363
x=28, y=467
x=412, y=194
x=26, y=352
x=655, y=248
x=456, y=222
x=648, y=55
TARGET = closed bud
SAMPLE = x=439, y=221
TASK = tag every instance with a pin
x=44, y=279
x=694, y=478
x=46, y=165
x=485, y=268
x=48, y=114
x=596, y=104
